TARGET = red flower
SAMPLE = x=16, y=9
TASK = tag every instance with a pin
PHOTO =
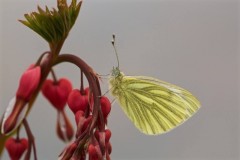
x=92, y=151
x=16, y=147
x=79, y=115
x=29, y=82
x=107, y=135
x=82, y=122
x=78, y=100
x=57, y=93
x=105, y=105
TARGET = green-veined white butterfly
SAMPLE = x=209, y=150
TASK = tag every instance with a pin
x=154, y=106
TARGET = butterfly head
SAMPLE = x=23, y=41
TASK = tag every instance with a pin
x=116, y=72
x=116, y=81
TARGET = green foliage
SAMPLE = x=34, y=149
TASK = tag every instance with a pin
x=53, y=25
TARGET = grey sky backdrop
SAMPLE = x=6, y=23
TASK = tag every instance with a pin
x=191, y=43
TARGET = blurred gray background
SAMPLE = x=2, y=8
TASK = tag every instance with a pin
x=191, y=43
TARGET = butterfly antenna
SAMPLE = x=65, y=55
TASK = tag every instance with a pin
x=115, y=50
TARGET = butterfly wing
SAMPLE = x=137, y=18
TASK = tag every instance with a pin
x=154, y=106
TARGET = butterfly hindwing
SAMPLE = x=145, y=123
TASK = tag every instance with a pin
x=154, y=106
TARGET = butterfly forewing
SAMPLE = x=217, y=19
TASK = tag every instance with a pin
x=154, y=106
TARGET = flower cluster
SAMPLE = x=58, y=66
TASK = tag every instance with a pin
x=92, y=138
x=97, y=145
x=80, y=102
x=90, y=108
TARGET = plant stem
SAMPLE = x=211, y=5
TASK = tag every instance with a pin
x=31, y=141
x=54, y=76
x=18, y=130
x=95, y=87
x=82, y=86
x=56, y=47
x=41, y=57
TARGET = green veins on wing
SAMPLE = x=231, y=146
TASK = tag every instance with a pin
x=154, y=106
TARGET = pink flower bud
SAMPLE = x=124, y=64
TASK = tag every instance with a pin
x=105, y=105
x=93, y=155
x=88, y=120
x=57, y=93
x=82, y=122
x=28, y=83
x=78, y=115
x=107, y=135
x=16, y=148
x=64, y=128
x=77, y=100
x=103, y=140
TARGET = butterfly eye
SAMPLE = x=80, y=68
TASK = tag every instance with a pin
x=115, y=72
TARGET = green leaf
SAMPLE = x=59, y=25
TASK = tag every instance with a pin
x=53, y=25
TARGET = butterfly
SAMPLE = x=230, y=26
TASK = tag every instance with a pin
x=154, y=106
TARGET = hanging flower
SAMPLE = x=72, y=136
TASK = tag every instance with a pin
x=57, y=92
x=16, y=110
x=16, y=147
x=29, y=82
x=78, y=100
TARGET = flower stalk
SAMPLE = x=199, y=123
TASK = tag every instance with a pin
x=31, y=141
